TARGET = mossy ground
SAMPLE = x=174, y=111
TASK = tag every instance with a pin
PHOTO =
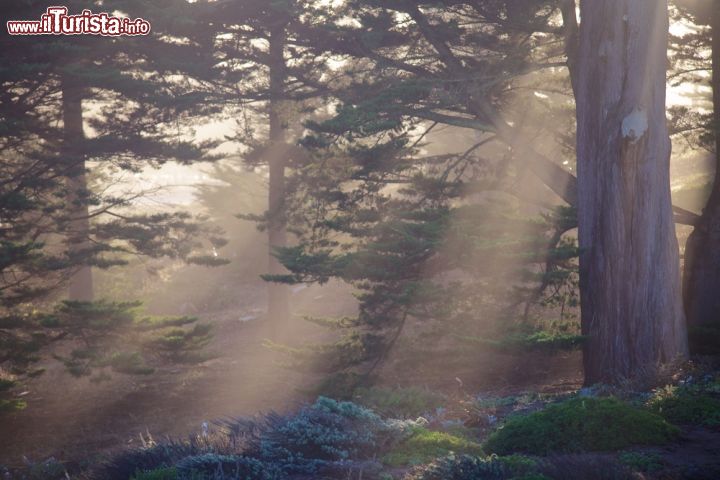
x=581, y=424
x=589, y=436
x=169, y=473
x=425, y=445
x=687, y=405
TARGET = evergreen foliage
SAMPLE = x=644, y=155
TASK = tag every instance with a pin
x=466, y=467
x=418, y=234
x=212, y=466
x=327, y=436
x=59, y=212
x=44, y=194
x=152, y=460
x=107, y=337
x=420, y=152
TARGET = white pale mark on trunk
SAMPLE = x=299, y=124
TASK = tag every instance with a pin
x=635, y=125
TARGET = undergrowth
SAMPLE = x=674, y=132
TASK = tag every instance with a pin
x=467, y=467
x=425, y=445
x=687, y=404
x=581, y=424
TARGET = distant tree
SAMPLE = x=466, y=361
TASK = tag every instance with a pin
x=110, y=337
x=701, y=280
x=53, y=225
x=265, y=76
x=132, y=106
x=629, y=268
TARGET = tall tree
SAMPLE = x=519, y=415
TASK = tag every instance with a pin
x=629, y=263
x=121, y=88
x=264, y=72
x=276, y=157
x=80, y=284
x=52, y=225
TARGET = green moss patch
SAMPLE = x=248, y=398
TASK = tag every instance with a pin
x=642, y=462
x=686, y=406
x=581, y=424
x=157, y=474
x=425, y=445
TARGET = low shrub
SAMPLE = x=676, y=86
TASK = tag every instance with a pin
x=50, y=469
x=467, y=467
x=585, y=467
x=643, y=462
x=686, y=405
x=581, y=424
x=211, y=466
x=425, y=445
x=165, y=473
x=153, y=460
x=326, y=436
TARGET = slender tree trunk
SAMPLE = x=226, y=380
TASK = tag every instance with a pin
x=278, y=294
x=629, y=263
x=81, y=282
x=701, y=283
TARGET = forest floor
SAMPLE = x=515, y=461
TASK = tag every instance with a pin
x=79, y=422
x=77, y=417
x=75, y=420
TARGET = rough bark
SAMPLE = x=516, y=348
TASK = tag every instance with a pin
x=629, y=264
x=278, y=294
x=701, y=282
x=80, y=285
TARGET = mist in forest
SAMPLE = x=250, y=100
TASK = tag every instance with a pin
x=359, y=239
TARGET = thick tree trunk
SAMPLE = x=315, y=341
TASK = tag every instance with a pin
x=701, y=282
x=278, y=294
x=81, y=283
x=629, y=263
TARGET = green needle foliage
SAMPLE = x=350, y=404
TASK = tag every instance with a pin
x=106, y=337
x=127, y=100
x=428, y=238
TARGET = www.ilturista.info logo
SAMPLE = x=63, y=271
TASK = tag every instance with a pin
x=57, y=22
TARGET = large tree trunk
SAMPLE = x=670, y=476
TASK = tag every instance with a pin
x=81, y=282
x=701, y=283
x=278, y=294
x=629, y=264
